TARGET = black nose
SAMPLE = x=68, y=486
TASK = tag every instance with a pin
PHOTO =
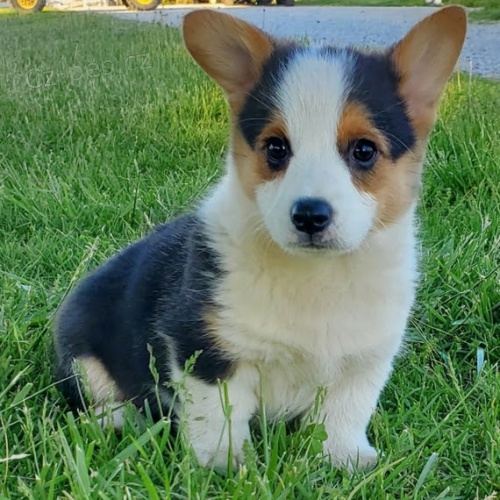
x=311, y=215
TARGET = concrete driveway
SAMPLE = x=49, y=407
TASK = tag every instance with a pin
x=376, y=26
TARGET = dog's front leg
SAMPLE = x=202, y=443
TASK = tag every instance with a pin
x=348, y=406
x=215, y=417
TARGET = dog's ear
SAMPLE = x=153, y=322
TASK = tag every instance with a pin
x=425, y=59
x=230, y=51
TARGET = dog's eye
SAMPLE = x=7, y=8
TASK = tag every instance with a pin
x=277, y=151
x=364, y=153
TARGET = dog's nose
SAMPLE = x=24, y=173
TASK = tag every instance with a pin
x=311, y=215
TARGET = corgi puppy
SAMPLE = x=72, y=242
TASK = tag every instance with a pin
x=297, y=272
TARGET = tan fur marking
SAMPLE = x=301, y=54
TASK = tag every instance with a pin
x=212, y=325
x=252, y=166
x=394, y=185
x=97, y=380
x=355, y=123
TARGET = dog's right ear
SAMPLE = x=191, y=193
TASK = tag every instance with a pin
x=230, y=51
x=425, y=59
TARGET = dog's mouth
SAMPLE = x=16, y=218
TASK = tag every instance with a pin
x=317, y=243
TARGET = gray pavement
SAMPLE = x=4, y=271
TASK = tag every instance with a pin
x=374, y=26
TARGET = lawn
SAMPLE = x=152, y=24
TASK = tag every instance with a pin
x=108, y=128
x=487, y=10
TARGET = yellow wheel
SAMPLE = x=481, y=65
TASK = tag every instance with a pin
x=143, y=4
x=28, y=6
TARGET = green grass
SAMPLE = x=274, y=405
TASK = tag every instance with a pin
x=107, y=128
x=488, y=10
x=486, y=14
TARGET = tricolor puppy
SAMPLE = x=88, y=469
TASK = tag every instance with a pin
x=298, y=271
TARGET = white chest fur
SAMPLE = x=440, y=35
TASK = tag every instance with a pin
x=298, y=324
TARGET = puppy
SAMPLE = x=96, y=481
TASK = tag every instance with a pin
x=297, y=271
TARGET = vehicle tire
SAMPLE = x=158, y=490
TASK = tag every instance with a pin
x=28, y=6
x=264, y=2
x=287, y=3
x=142, y=4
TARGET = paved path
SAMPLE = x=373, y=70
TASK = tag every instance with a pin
x=378, y=26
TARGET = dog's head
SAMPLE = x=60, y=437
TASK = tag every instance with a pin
x=328, y=141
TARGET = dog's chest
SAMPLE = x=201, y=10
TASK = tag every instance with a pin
x=317, y=315
x=298, y=330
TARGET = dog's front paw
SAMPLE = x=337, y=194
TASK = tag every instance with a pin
x=218, y=455
x=365, y=458
x=353, y=458
x=215, y=450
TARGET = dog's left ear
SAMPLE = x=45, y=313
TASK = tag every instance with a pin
x=425, y=59
x=230, y=51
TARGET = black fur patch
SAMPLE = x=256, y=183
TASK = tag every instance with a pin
x=149, y=297
x=260, y=103
x=375, y=83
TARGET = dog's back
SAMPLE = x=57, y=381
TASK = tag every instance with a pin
x=112, y=324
